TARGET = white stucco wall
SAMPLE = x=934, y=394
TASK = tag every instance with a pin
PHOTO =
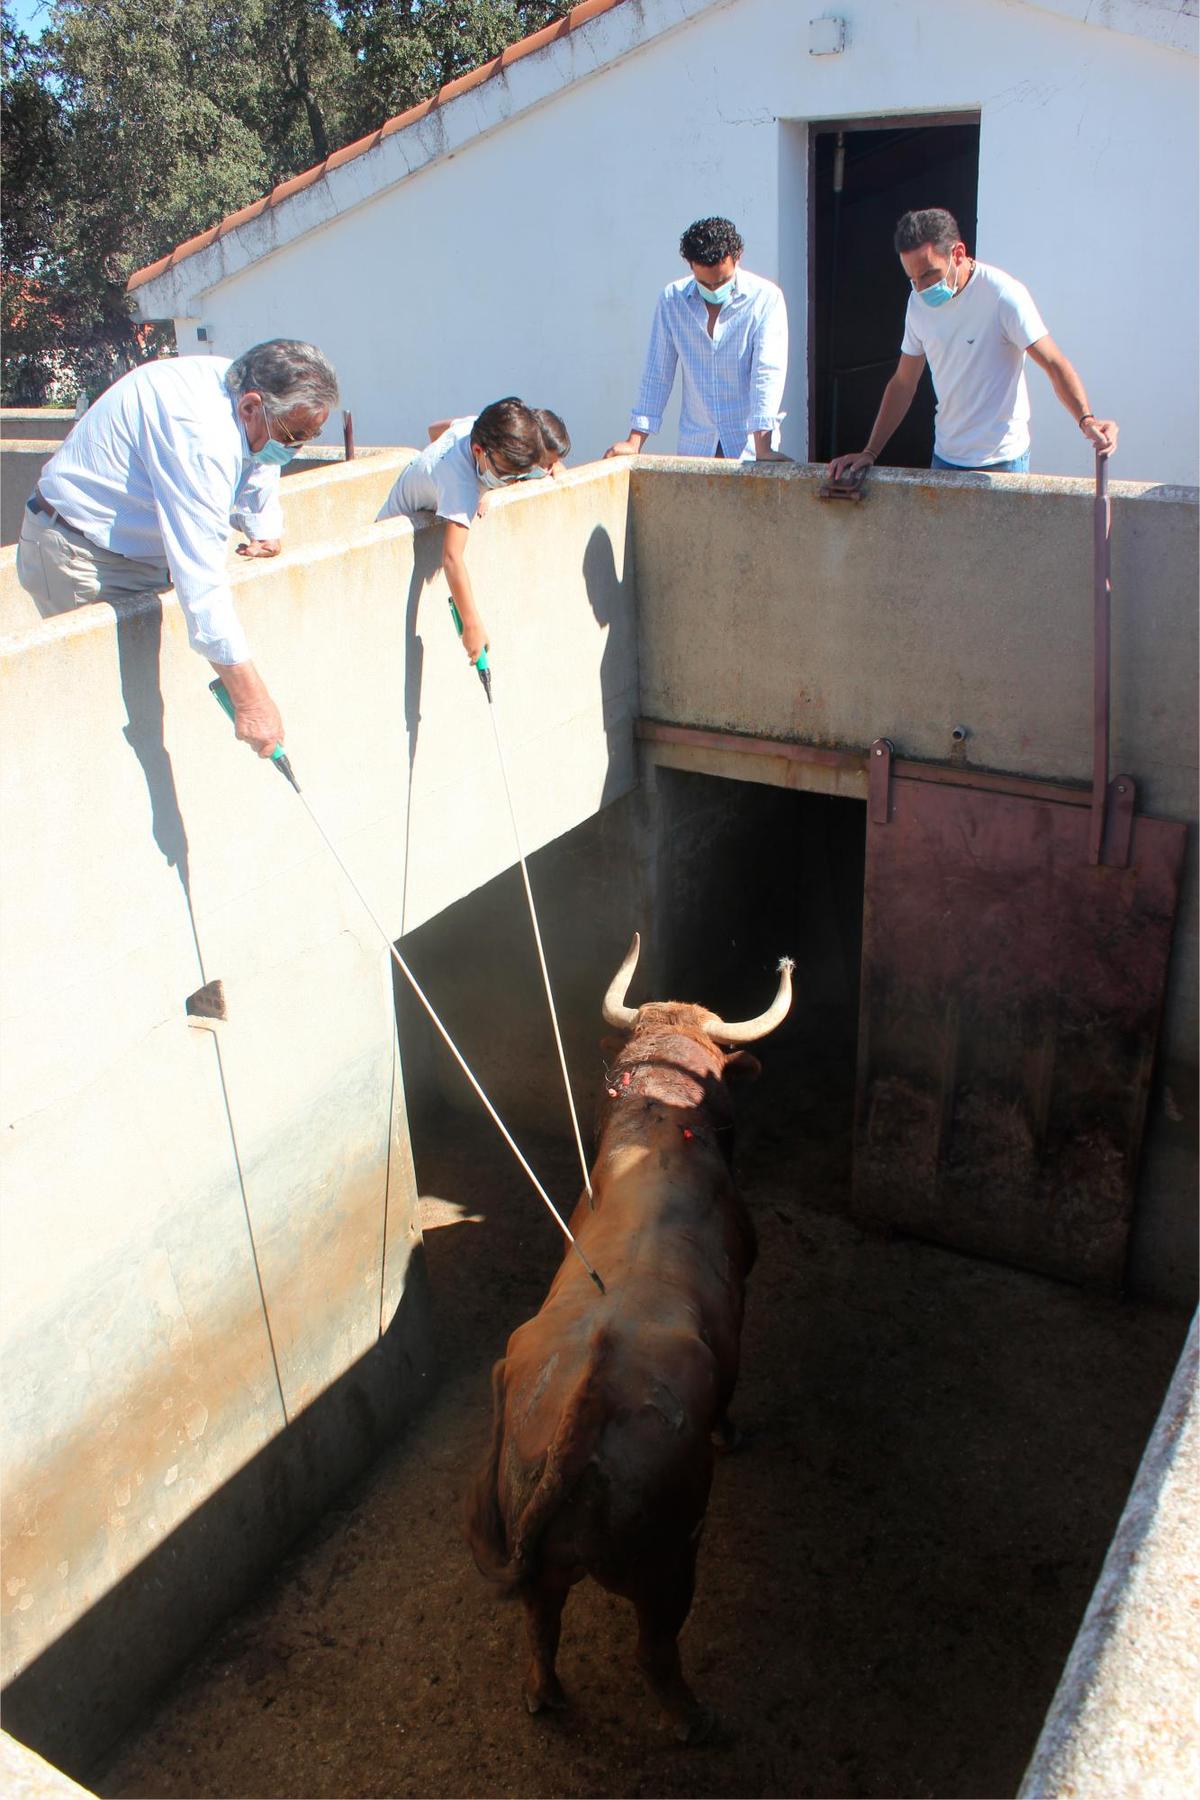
x=525, y=252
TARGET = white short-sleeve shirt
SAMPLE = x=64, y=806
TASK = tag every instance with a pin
x=440, y=479
x=975, y=346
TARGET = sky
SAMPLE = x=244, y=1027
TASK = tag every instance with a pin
x=31, y=15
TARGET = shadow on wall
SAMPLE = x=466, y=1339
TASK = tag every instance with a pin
x=611, y=599
x=81, y=1694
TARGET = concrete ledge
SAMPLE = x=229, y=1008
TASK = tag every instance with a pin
x=25, y=1776
x=1124, y=1720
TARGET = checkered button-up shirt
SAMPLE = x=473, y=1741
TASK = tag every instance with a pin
x=732, y=381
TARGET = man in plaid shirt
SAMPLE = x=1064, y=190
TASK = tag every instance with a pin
x=727, y=330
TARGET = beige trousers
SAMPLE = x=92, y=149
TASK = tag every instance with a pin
x=63, y=569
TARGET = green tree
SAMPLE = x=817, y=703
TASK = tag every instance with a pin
x=132, y=125
x=406, y=50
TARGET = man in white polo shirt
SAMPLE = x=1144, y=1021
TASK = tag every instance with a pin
x=142, y=493
x=974, y=325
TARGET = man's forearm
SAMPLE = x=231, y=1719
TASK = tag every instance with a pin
x=458, y=581
x=1069, y=388
x=892, y=409
x=243, y=683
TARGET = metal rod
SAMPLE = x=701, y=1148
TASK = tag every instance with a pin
x=1102, y=655
x=537, y=938
x=348, y=435
x=415, y=985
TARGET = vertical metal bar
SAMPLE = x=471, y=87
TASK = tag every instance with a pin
x=1101, y=656
x=348, y=435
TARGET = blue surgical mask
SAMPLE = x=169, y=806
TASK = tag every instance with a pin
x=940, y=292
x=716, y=296
x=274, y=453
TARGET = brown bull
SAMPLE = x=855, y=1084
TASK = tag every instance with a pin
x=606, y=1407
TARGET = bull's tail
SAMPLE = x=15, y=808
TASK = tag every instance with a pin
x=484, y=1521
x=575, y=1440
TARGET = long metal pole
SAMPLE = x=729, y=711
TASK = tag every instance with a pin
x=537, y=938
x=448, y=1040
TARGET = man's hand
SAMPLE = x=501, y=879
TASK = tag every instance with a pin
x=771, y=456
x=629, y=446
x=261, y=547
x=841, y=466
x=474, y=638
x=259, y=725
x=1102, y=433
x=256, y=719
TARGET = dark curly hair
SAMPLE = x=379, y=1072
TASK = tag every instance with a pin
x=710, y=241
x=507, y=428
x=933, y=225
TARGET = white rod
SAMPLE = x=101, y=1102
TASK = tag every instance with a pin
x=537, y=938
x=450, y=1044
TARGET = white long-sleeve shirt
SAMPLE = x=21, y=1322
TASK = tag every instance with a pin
x=158, y=469
x=732, y=381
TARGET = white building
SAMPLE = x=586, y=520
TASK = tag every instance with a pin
x=510, y=236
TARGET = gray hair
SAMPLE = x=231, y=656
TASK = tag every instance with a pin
x=933, y=225
x=286, y=373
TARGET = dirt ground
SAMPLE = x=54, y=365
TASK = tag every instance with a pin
x=937, y=1451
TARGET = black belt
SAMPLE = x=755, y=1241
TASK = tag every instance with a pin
x=36, y=504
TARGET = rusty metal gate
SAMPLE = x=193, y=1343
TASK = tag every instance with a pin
x=1015, y=948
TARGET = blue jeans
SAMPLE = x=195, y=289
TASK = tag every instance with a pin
x=1019, y=465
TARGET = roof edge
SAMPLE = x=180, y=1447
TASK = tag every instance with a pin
x=284, y=190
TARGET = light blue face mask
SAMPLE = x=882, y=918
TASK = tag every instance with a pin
x=489, y=479
x=273, y=454
x=716, y=296
x=940, y=292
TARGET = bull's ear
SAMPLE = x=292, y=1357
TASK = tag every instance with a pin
x=742, y=1066
x=612, y=1046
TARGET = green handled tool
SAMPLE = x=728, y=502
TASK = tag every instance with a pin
x=482, y=667
x=221, y=693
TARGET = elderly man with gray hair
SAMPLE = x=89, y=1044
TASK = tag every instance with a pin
x=142, y=493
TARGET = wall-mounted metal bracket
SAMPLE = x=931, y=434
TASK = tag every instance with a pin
x=879, y=781
x=1118, y=822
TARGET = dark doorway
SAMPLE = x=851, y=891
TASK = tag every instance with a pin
x=861, y=183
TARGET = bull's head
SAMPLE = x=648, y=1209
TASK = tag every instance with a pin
x=721, y=1031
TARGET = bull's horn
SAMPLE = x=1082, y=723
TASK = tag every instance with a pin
x=746, y=1031
x=616, y=1013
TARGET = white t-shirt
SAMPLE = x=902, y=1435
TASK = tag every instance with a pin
x=441, y=479
x=975, y=345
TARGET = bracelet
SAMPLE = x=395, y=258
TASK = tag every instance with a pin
x=1083, y=417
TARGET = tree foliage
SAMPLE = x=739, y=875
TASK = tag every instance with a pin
x=132, y=125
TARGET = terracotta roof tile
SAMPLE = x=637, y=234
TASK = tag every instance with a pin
x=527, y=46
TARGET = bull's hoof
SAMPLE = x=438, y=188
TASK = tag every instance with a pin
x=698, y=1727
x=545, y=1695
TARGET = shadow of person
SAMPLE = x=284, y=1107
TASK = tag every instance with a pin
x=611, y=598
x=139, y=643
x=427, y=563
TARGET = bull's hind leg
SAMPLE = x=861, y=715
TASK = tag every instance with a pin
x=544, y=1604
x=663, y=1599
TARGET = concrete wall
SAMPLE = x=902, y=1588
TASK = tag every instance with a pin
x=29, y=436
x=569, y=242
x=208, y=1320
x=210, y=1308
x=943, y=600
